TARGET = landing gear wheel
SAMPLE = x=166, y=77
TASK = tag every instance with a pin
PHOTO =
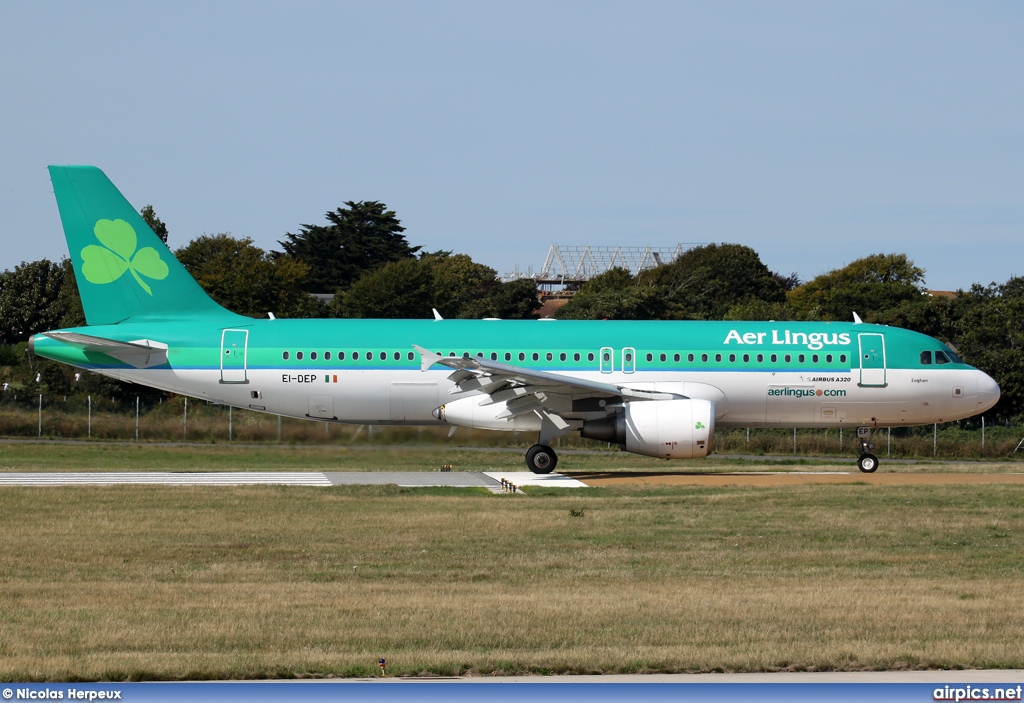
x=867, y=463
x=541, y=459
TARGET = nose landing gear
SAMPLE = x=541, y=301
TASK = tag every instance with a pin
x=866, y=462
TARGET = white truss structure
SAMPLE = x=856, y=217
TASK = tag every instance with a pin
x=575, y=264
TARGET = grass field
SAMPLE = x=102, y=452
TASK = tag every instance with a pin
x=145, y=582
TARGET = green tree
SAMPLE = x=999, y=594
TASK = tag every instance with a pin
x=614, y=295
x=27, y=300
x=154, y=222
x=705, y=282
x=515, y=300
x=245, y=279
x=760, y=310
x=458, y=281
x=361, y=237
x=400, y=289
x=989, y=335
x=867, y=286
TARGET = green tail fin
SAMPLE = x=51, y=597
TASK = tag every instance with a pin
x=124, y=271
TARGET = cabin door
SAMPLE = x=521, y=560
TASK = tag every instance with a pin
x=872, y=359
x=234, y=346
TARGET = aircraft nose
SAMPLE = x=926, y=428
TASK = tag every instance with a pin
x=988, y=391
x=438, y=413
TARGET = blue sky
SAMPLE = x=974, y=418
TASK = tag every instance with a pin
x=813, y=132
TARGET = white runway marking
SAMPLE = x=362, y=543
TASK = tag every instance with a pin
x=220, y=478
x=526, y=478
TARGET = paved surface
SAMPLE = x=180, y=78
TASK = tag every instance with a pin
x=454, y=479
x=1008, y=676
x=491, y=480
x=215, y=478
x=786, y=478
x=525, y=478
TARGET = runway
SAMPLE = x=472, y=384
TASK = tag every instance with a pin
x=789, y=478
x=492, y=480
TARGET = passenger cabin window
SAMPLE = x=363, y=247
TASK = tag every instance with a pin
x=718, y=357
x=746, y=358
x=562, y=357
x=663, y=357
x=732, y=358
x=590, y=356
x=576, y=356
x=355, y=356
x=494, y=356
x=760, y=358
x=775, y=357
x=650, y=357
x=327, y=356
x=341, y=356
x=410, y=356
x=842, y=358
x=522, y=356
x=508, y=356
x=801, y=358
x=298, y=355
x=312, y=355
x=675, y=357
x=284, y=355
x=536, y=356
x=814, y=358
x=689, y=357
x=369, y=356
x=941, y=358
x=398, y=356
x=788, y=358
x=828, y=358
x=704, y=357
x=549, y=356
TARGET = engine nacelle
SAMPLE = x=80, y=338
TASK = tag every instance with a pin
x=669, y=429
x=474, y=411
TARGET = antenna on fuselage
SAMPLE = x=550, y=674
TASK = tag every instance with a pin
x=437, y=315
x=857, y=320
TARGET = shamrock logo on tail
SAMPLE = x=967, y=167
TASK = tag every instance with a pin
x=699, y=425
x=107, y=263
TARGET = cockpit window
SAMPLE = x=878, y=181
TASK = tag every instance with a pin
x=941, y=358
x=926, y=358
x=956, y=359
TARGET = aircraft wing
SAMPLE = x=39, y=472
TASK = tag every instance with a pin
x=528, y=390
x=142, y=353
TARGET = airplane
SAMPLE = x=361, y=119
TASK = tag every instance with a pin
x=656, y=388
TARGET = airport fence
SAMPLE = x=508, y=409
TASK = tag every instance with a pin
x=181, y=419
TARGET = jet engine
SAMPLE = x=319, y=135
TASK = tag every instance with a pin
x=669, y=429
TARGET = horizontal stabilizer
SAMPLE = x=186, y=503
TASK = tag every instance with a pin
x=142, y=353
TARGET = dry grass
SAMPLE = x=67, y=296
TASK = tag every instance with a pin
x=145, y=582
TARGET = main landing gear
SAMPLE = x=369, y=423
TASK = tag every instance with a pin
x=541, y=459
x=867, y=462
